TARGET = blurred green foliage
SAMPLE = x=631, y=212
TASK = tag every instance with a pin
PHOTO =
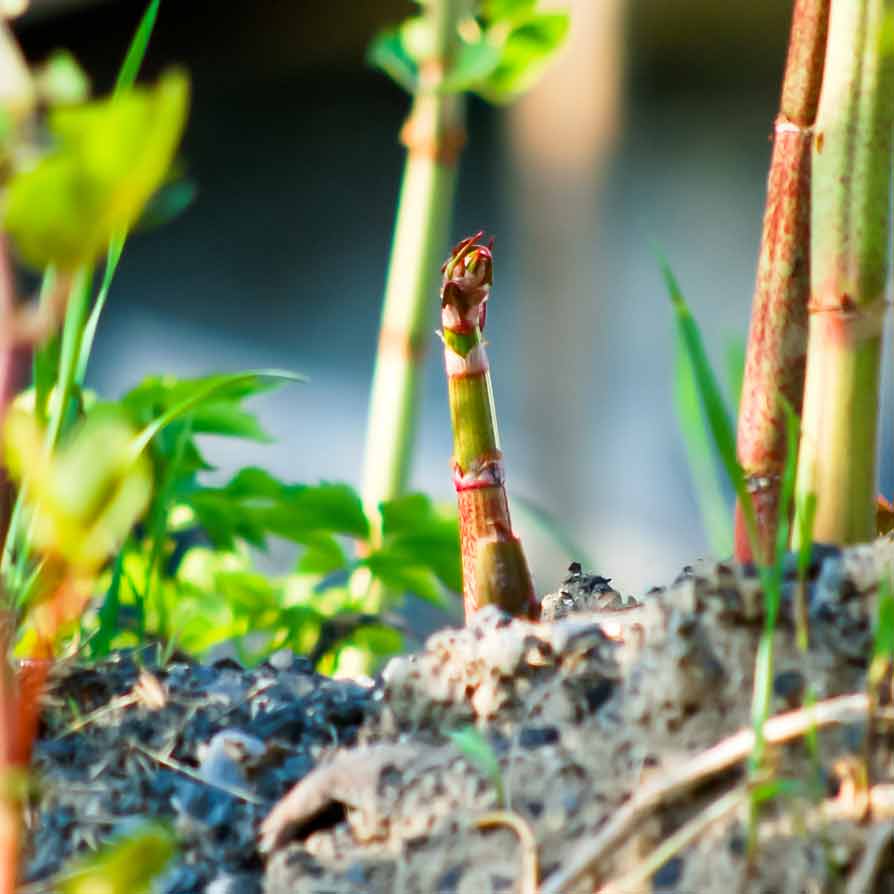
x=503, y=51
x=128, y=864
x=109, y=157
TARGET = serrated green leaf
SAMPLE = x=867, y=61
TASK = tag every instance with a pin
x=191, y=397
x=323, y=555
x=388, y=53
x=525, y=53
x=111, y=156
x=255, y=505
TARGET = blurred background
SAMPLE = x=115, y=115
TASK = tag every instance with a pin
x=652, y=129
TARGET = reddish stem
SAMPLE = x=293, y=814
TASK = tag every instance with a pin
x=777, y=341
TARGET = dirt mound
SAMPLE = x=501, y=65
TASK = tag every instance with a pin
x=608, y=751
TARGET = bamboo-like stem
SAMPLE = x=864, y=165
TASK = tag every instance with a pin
x=434, y=135
x=850, y=237
x=495, y=570
x=777, y=340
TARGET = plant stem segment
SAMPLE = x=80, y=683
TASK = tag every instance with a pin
x=434, y=135
x=495, y=570
x=777, y=341
x=849, y=247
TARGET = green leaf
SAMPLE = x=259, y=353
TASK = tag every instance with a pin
x=388, y=53
x=734, y=358
x=506, y=10
x=473, y=63
x=719, y=422
x=883, y=646
x=715, y=511
x=127, y=865
x=197, y=394
x=525, y=53
x=255, y=505
x=136, y=52
x=400, y=575
x=416, y=534
x=87, y=495
x=323, y=555
x=110, y=157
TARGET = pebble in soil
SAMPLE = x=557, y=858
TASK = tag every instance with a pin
x=608, y=693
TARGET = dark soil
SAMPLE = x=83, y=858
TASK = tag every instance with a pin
x=586, y=713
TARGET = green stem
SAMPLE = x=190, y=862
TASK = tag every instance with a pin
x=777, y=341
x=433, y=135
x=849, y=246
x=495, y=570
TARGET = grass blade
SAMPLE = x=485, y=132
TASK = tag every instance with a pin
x=719, y=422
x=136, y=52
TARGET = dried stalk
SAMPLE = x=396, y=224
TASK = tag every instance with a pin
x=777, y=340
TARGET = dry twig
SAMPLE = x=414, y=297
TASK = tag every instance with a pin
x=679, y=780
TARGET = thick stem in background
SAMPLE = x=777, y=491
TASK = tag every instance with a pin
x=434, y=135
x=495, y=570
x=849, y=249
x=777, y=340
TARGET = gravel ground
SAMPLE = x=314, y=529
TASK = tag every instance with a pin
x=581, y=716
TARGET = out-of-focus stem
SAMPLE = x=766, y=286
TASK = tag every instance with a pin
x=434, y=135
x=849, y=247
x=777, y=341
x=495, y=570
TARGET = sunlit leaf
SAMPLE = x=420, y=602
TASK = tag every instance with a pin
x=88, y=494
x=110, y=157
x=524, y=54
x=128, y=865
